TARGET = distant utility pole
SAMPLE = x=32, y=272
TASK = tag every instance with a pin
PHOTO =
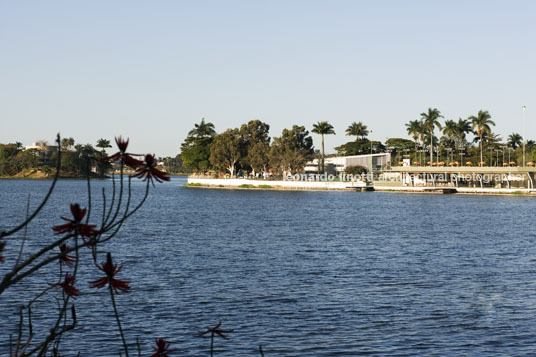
x=524, y=139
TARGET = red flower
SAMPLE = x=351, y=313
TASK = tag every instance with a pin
x=111, y=270
x=74, y=225
x=123, y=155
x=148, y=170
x=161, y=348
x=67, y=259
x=68, y=287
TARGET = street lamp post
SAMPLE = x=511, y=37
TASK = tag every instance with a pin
x=524, y=108
x=370, y=143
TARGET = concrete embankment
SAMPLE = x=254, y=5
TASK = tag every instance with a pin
x=282, y=185
x=463, y=190
x=350, y=186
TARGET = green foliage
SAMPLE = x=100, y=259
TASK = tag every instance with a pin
x=292, y=150
x=193, y=184
x=174, y=165
x=264, y=186
x=355, y=170
x=255, y=146
x=226, y=150
x=245, y=185
x=195, y=151
x=514, y=140
x=359, y=130
x=399, y=144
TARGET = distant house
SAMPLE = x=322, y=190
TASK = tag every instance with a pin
x=44, y=152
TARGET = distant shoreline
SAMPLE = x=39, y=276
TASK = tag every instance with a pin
x=257, y=185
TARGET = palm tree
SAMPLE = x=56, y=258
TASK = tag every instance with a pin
x=414, y=130
x=103, y=144
x=358, y=130
x=203, y=129
x=514, y=140
x=67, y=143
x=450, y=130
x=430, y=121
x=323, y=128
x=481, y=122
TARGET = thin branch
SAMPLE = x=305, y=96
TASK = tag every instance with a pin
x=117, y=319
x=25, y=232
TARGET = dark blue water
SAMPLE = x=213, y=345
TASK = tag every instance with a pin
x=301, y=273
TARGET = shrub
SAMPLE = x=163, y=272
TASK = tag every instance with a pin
x=355, y=170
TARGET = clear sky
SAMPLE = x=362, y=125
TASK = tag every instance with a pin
x=151, y=69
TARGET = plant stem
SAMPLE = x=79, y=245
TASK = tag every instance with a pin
x=117, y=318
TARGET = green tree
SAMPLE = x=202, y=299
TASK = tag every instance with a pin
x=103, y=144
x=482, y=124
x=225, y=151
x=259, y=156
x=203, y=130
x=254, y=134
x=67, y=143
x=414, y=128
x=355, y=170
x=430, y=121
x=398, y=146
x=195, y=151
x=359, y=130
x=514, y=140
x=323, y=128
x=292, y=150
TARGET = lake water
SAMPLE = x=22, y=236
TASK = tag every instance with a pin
x=300, y=273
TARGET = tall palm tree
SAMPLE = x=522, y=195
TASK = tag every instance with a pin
x=103, y=144
x=514, y=140
x=430, y=121
x=481, y=123
x=203, y=129
x=323, y=128
x=450, y=129
x=67, y=143
x=359, y=130
x=414, y=129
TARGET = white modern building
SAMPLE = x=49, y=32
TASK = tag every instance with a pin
x=373, y=162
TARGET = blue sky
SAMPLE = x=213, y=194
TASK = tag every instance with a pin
x=151, y=69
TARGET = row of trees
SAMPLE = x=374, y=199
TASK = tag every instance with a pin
x=455, y=135
x=248, y=148
x=76, y=160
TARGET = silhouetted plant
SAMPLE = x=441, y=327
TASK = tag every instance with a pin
x=216, y=330
x=75, y=234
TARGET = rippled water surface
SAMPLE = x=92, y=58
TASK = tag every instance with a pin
x=300, y=273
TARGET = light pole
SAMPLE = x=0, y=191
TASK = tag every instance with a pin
x=524, y=108
x=370, y=143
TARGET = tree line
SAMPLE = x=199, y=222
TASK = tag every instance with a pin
x=76, y=159
x=250, y=149
x=455, y=145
